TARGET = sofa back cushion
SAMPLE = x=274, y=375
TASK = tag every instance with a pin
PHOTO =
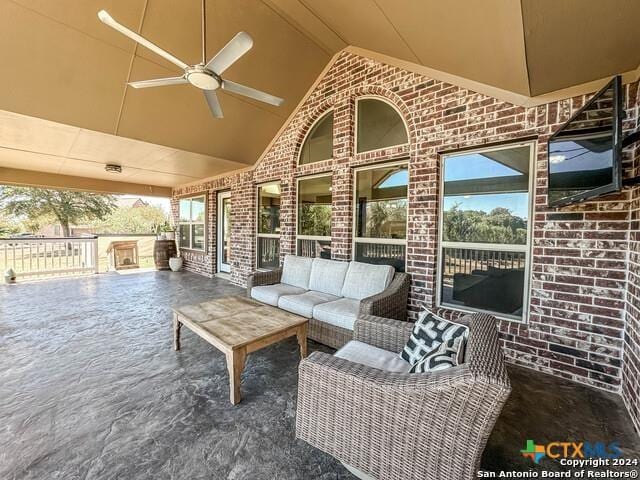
x=296, y=271
x=364, y=279
x=327, y=276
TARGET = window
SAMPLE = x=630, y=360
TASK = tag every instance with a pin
x=381, y=215
x=318, y=145
x=314, y=217
x=191, y=225
x=485, y=217
x=379, y=125
x=268, y=247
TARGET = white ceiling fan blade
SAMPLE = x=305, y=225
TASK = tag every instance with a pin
x=158, y=82
x=108, y=20
x=214, y=104
x=251, y=93
x=232, y=51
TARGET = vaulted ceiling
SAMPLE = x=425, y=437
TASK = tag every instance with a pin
x=65, y=73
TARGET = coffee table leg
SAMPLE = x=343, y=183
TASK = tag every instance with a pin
x=235, y=365
x=176, y=332
x=302, y=340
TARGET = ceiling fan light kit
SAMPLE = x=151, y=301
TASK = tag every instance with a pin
x=207, y=76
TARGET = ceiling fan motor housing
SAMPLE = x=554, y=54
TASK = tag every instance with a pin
x=203, y=78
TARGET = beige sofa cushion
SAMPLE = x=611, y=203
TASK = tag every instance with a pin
x=270, y=294
x=341, y=313
x=327, y=276
x=363, y=280
x=296, y=271
x=303, y=303
x=365, y=354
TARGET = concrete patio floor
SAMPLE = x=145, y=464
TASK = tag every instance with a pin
x=91, y=388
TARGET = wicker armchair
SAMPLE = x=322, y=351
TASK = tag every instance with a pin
x=392, y=303
x=424, y=426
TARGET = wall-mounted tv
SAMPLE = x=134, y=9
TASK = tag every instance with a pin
x=585, y=153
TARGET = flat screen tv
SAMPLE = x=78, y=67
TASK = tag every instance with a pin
x=585, y=153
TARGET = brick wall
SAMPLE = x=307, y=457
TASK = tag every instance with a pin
x=578, y=282
x=631, y=373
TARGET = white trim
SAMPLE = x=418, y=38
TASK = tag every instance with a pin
x=381, y=241
x=354, y=223
x=382, y=164
x=355, y=123
x=311, y=237
x=220, y=266
x=501, y=247
x=191, y=223
x=527, y=248
x=306, y=135
x=263, y=235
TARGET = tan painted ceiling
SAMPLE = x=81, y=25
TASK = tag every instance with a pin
x=62, y=65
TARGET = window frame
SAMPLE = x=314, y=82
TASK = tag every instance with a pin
x=264, y=235
x=306, y=136
x=191, y=223
x=527, y=248
x=356, y=122
x=354, y=207
x=311, y=237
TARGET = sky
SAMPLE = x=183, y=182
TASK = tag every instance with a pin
x=475, y=166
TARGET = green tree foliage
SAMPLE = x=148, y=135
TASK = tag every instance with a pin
x=131, y=220
x=315, y=219
x=8, y=226
x=497, y=226
x=67, y=207
x=386, y=219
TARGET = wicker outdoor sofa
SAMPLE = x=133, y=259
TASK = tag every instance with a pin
x=330, y=287
x=404, y=426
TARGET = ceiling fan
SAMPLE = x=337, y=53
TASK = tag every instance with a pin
x=205, y=75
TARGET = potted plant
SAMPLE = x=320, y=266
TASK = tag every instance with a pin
x=175, y=263
x=165, y=232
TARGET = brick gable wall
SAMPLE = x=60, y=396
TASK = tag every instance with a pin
x=579, y=260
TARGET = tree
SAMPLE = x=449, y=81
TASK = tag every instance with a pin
x=8, y=226
x=67, y=207
x=497, y=226
x=315, y=219
x=131, y=220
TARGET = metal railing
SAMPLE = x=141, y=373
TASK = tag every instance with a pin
x=463, y=260
x=43, y=257
x=268, y=251
x=309, y=246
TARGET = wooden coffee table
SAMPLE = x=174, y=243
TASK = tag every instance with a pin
x=237, y=326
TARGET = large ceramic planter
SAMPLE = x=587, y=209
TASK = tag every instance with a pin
x=175, y=264
x=10, y=276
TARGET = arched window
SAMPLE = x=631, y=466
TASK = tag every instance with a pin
x=318, y=145
x=379, y=125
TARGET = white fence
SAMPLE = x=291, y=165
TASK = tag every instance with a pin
x=43, y=257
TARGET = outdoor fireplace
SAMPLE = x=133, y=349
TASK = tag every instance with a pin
x=123, y=255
